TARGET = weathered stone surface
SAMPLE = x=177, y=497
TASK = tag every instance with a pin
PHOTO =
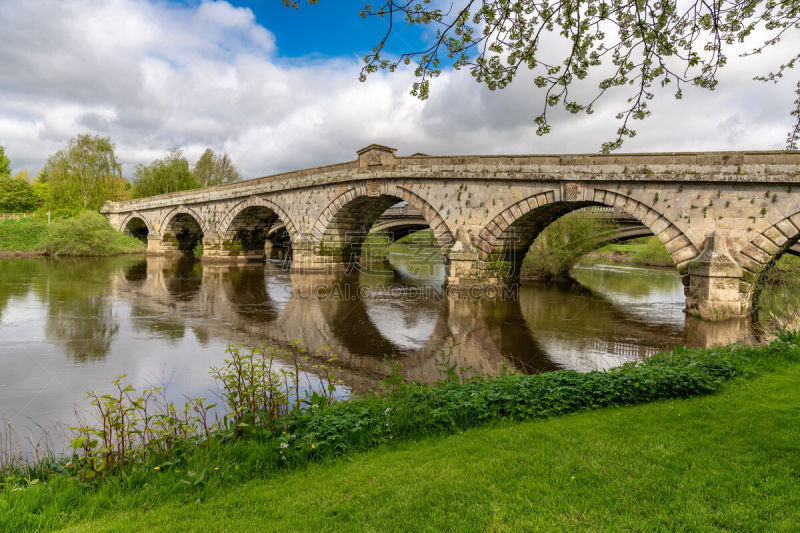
x=326, y=211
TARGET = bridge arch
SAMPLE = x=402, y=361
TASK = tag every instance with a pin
x=509, y=235
x=182, y=229
x=136, y=225
x=345, y=222
x=251, y=224
x=758, y=256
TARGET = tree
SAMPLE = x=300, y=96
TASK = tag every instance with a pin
x=212, y=169
x=17, y=195
x=556, y=249
x=5, y=164
x=630, y=46
x=162, y=176
x=84, y=174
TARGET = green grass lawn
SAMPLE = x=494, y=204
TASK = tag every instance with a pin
x=22, y=235
x=729, y=461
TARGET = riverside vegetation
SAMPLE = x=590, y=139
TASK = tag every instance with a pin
x=87, y=234
x=141, y=455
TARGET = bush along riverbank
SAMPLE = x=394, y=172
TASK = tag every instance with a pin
x=644, y=251
x=178, y=456
x=87, y=234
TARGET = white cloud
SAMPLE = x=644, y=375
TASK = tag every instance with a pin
x=155, y=77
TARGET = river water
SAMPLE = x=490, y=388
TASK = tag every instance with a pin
x=71, y=325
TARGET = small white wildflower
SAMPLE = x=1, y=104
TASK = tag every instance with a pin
x=387, y=411
x=474, y=394
x=387, y=424
x=284, y=444
x=314, y=406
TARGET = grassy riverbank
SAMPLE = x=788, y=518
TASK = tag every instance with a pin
x=645, y=251
x=88, y=234
x=22, y=235
x=722, y=462
x=479, y=462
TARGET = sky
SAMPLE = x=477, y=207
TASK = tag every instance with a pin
x=278, y=89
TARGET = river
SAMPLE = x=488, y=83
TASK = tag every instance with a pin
x=71, y=325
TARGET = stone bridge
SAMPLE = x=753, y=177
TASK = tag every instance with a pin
x=724, y=217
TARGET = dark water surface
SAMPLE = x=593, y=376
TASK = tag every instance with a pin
x=70, y=325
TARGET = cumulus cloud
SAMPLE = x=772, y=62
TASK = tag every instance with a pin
x=155, y=76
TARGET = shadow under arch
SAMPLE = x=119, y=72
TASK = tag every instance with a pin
x=504, y=241
x=183, y=229
x=137, y=226
x=344, y=224
x=248, y=226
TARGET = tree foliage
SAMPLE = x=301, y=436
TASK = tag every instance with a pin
x=5, y=164
x=213, y=169
x=84, y=174
x=556, y=250
x=163, y=176
x=623, y=45
x=17, y=195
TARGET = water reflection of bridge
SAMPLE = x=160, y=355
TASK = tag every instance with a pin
x=253, y=304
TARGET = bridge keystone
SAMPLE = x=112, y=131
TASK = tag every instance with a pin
x=376, y=155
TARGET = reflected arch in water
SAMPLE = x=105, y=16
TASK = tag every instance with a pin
x=183, y=230
x=504, y=241
x=246, y=289
x=253, y=225
x=183, y=278
x=136, y=272
x=365, y=315
x=345, y=223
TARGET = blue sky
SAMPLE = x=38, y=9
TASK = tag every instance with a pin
x=330, y=28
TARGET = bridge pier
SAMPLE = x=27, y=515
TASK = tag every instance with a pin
x=162, y=245
x=715, y=283
x=218, y=250
x=309, y=257
x=154, y=244
x=465, y=271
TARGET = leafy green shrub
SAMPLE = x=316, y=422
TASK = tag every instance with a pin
x=17, y=195
x=88, y=234
x=556, y=250
x=423, y=237
x=652, y=253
